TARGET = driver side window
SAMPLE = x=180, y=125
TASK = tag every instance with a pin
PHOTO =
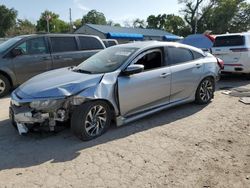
x=33, y=46
x=151, y=60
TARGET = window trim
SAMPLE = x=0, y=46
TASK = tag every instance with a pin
x=139, y=56
x=27, y=39
x=89, y=37
x=170, y=60
x=51, y=46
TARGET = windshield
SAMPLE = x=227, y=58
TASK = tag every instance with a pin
x=107, y=60
x=7, y=44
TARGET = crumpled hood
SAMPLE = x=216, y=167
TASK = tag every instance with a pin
x=57, y=83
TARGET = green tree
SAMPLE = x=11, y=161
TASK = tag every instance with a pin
x=7, y=19
x=77, y=24
x=55, y=24
x=195, y=11
x=156, y=22
x=221, y=16
x=94, y=17
x=111, y=23
x=241, y=21
x=22, y=27
x=137, y=23
x=175, y=24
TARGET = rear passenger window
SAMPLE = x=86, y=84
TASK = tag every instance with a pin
x=63, y=44
x=179, y=55
x=197, y=55
x=90, y=43
x=233, y=40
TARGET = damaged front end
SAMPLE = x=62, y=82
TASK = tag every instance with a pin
x=41, y=113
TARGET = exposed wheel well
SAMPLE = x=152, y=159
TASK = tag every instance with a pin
x=7, y=76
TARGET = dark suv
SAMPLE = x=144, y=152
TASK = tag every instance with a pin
x=25, y=56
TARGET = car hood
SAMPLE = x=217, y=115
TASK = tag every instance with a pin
x=57, y=83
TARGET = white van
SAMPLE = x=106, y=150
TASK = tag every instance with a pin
x=234, y=50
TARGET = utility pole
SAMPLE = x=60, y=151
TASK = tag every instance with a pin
x=48, y=17
x=196, y=21
x=70, y=21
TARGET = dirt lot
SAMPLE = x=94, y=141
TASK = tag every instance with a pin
x=187, y=146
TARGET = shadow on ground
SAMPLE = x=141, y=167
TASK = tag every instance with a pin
x=37, y=148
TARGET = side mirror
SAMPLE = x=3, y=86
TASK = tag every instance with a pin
x=133, y=69
x=16, y=52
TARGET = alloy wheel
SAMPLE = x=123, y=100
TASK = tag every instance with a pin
x=2, y=86
x=206, y=90
x=95, y=120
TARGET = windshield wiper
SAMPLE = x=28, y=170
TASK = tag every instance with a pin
x=82, y=71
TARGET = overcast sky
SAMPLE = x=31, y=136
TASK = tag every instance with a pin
x=116, y=10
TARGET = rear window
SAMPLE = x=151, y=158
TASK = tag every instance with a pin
x=223, y=41
x=90, y=43
x=109, y=43
x=197, y=55
x=179, y=55
x=63, y=44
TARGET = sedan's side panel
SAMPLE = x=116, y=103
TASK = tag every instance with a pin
x=141, y=91
x=185, y=79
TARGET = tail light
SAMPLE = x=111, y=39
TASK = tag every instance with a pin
x=211, y=37
x=220, y=62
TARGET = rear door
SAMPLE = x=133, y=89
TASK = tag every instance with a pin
x=228, y=47
x=147, y=89
x=34, y=60
x=65, y=51
x=186, y=70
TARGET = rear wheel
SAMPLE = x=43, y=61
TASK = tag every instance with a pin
x=205, y=91
x=4, y=86
x=91, y=120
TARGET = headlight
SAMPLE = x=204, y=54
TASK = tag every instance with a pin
x=45, y=104
x=77, y=100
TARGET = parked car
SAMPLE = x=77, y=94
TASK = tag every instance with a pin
x=121, y=83
x=110, y=42
x=202, y=41
x=25, y=56
x=234, y=50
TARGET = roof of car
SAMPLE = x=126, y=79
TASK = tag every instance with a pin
x=232, y=34
x=147, y=44
x=55, y=34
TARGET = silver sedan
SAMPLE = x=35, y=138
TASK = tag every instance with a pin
x=121, y=83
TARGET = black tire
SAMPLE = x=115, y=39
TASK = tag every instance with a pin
x=81, y=120
x=205, y=91
x=4, y=86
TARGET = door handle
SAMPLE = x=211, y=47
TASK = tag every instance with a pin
x=57, y=57
x=198, y=66
x=164, y=75
x=45, y=58
x=67, y=59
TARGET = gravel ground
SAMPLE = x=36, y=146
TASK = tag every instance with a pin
x=186, y=146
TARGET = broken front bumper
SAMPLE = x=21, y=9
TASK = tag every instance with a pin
x=23, y=118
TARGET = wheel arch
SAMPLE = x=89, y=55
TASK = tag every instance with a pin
x=7, y=76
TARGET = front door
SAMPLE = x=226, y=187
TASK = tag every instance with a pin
x=145, y=90
x=35, y=59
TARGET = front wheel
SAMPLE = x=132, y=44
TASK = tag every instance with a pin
x=4, y=86
x=205, y=91
x=90, y=120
